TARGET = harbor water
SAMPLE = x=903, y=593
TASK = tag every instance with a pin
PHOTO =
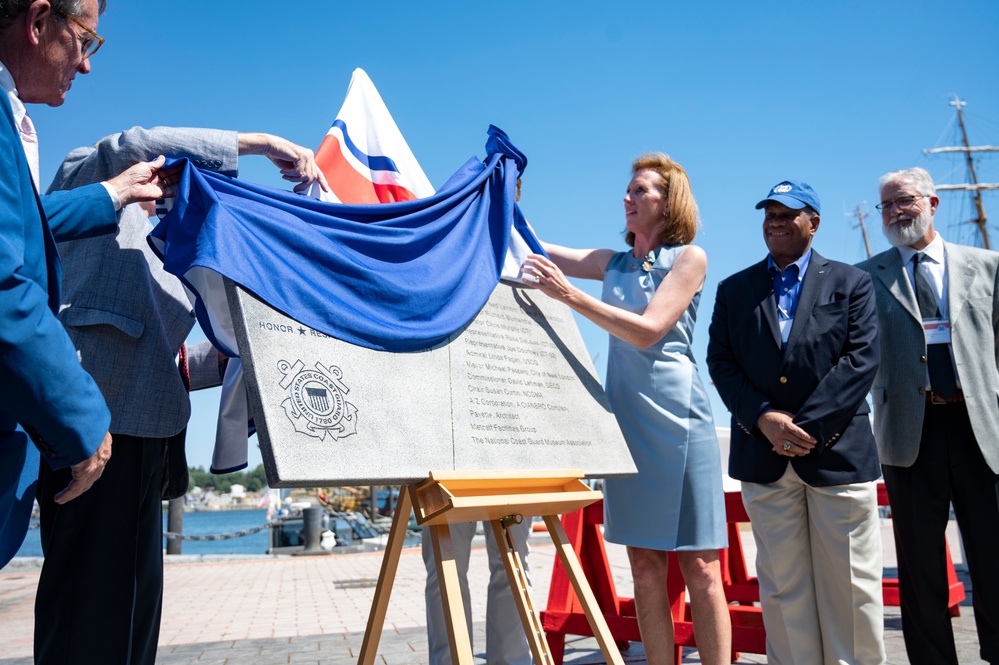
x=197, y=523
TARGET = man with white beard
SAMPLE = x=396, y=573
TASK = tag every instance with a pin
x=936, y=415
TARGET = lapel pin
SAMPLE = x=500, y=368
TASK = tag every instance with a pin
x=650, y=260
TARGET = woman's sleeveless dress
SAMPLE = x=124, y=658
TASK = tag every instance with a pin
x=675, y=501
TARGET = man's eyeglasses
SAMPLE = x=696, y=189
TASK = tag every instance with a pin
x=901, y=202
x=90, y=43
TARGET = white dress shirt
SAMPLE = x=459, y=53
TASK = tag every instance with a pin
x=20, y=113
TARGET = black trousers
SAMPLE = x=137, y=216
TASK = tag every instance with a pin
x=949, y=468
x=100, y=592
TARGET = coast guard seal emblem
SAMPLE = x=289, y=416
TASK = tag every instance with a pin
x=317, y=400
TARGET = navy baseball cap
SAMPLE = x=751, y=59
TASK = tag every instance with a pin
x=794, y=194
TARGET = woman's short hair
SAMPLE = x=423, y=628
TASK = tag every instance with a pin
x=679, y=226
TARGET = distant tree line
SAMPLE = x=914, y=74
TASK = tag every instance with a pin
x=252, y=480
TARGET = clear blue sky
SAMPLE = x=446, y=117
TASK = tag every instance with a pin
x=742, y=94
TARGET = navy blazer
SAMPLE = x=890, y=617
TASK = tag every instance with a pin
x=822, y=376
x=43, y=389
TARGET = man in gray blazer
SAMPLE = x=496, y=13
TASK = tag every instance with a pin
x=936, y=412
x=100, y=591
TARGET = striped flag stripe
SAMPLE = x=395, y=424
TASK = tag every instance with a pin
x=352, y=186
x=372, y=162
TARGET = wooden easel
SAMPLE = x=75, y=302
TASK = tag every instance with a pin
x=500, y=498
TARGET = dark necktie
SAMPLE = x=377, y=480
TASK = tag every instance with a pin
x=942, y=380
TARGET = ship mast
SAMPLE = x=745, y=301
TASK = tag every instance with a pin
x=974, y=186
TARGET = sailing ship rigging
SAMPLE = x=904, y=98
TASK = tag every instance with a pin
x=980, y=221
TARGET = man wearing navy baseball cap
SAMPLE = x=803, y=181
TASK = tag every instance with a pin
x=793, y=351
x=793, y=194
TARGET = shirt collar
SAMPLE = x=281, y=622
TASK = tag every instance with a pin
x=7, y=83
x=935, y=251
x=802, y=264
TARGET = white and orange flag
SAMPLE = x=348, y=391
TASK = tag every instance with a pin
x=366, y=160
x=364, y=156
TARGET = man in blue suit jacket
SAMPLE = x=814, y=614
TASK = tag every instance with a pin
x=793, y=350
x=47, y=396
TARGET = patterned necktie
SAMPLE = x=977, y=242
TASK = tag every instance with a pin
x=942, y=379
x=784, y=296
x=29, y=139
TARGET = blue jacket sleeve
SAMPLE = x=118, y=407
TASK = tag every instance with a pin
x=80, y=213
x=45, y=389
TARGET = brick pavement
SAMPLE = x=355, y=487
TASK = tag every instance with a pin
x=314, y=610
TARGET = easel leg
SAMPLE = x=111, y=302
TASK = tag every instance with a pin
x=454, y=609
x=589, y=602
x=386, y=577
x=521, y=593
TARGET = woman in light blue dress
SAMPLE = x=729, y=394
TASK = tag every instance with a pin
x=675, y=502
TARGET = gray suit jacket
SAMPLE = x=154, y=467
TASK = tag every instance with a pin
x=973, y=296
x=126, y=316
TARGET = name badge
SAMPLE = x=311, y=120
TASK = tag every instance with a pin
x=937, y=331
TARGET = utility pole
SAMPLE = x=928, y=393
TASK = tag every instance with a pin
x=861, y=216
x=974, y=186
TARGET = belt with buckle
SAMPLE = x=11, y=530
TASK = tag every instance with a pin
x=933, y=398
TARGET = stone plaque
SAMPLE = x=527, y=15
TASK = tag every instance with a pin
x=513, y=390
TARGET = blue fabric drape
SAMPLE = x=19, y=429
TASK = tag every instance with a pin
x=395, y=277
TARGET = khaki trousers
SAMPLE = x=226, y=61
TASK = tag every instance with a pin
x=506, y=643
x=819, y=565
